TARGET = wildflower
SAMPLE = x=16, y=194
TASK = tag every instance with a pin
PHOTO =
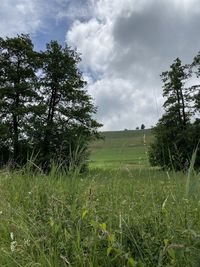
x=12, y=236
x=1, y=212
x=13, y=246
x=27, y=242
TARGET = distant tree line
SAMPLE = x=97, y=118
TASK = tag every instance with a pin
x=177, y=134
x=45, y=110
x=142, y=127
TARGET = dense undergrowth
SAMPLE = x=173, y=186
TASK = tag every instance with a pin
x=105, y=218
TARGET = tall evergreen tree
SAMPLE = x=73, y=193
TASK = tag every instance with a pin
x=172, y=147
x=176, y=104
x=17, y=94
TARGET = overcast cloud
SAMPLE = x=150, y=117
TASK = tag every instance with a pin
x=125, y=45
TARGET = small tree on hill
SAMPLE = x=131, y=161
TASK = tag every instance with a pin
x=142, y=127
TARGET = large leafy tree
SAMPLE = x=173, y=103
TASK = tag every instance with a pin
x=17, y=95
x=173, y=144
x=67, y=125
x=44, y=106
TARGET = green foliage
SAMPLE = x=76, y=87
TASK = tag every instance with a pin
x=176, y=137
x=44, y=107
x=196, y=88
x=104, y=218
x=67, y=126
x=18, y=95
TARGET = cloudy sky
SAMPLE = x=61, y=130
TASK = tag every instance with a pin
x=125, y=45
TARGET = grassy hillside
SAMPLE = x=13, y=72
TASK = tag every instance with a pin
x=121, y=148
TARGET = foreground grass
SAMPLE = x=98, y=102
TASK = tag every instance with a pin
x=106, y=218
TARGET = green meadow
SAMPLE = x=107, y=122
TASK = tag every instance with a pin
x=120, y=213
x=127, y=148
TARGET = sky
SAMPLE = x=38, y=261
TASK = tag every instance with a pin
x=125, y=45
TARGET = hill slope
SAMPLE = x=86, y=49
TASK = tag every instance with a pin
x=121, y=148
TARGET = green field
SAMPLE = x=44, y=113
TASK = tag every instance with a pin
x=133, y=218
x=121, y=213
x=121, y=148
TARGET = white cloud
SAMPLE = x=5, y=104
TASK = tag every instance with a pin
x=109, y=10
x=121, y=105
x=19, y=16
x=96, y=52
x=126, y=45
x=29, y=16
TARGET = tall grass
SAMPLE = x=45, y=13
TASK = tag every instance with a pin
x=193, y=178
x=105, y=218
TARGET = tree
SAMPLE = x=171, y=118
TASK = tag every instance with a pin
x=196, y=88
x=142, y=127
x=67, y=125
x=17, y=94
x=196, y=99
x=173, y=144
x=176, y=104
x=45, y=109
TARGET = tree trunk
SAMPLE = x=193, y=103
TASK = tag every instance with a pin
x=16, y=131
x=179, y=107
x=48, y=131
x=183, y=108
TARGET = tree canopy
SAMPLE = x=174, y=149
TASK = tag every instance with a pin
x=178, y=131
x=45, y=109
